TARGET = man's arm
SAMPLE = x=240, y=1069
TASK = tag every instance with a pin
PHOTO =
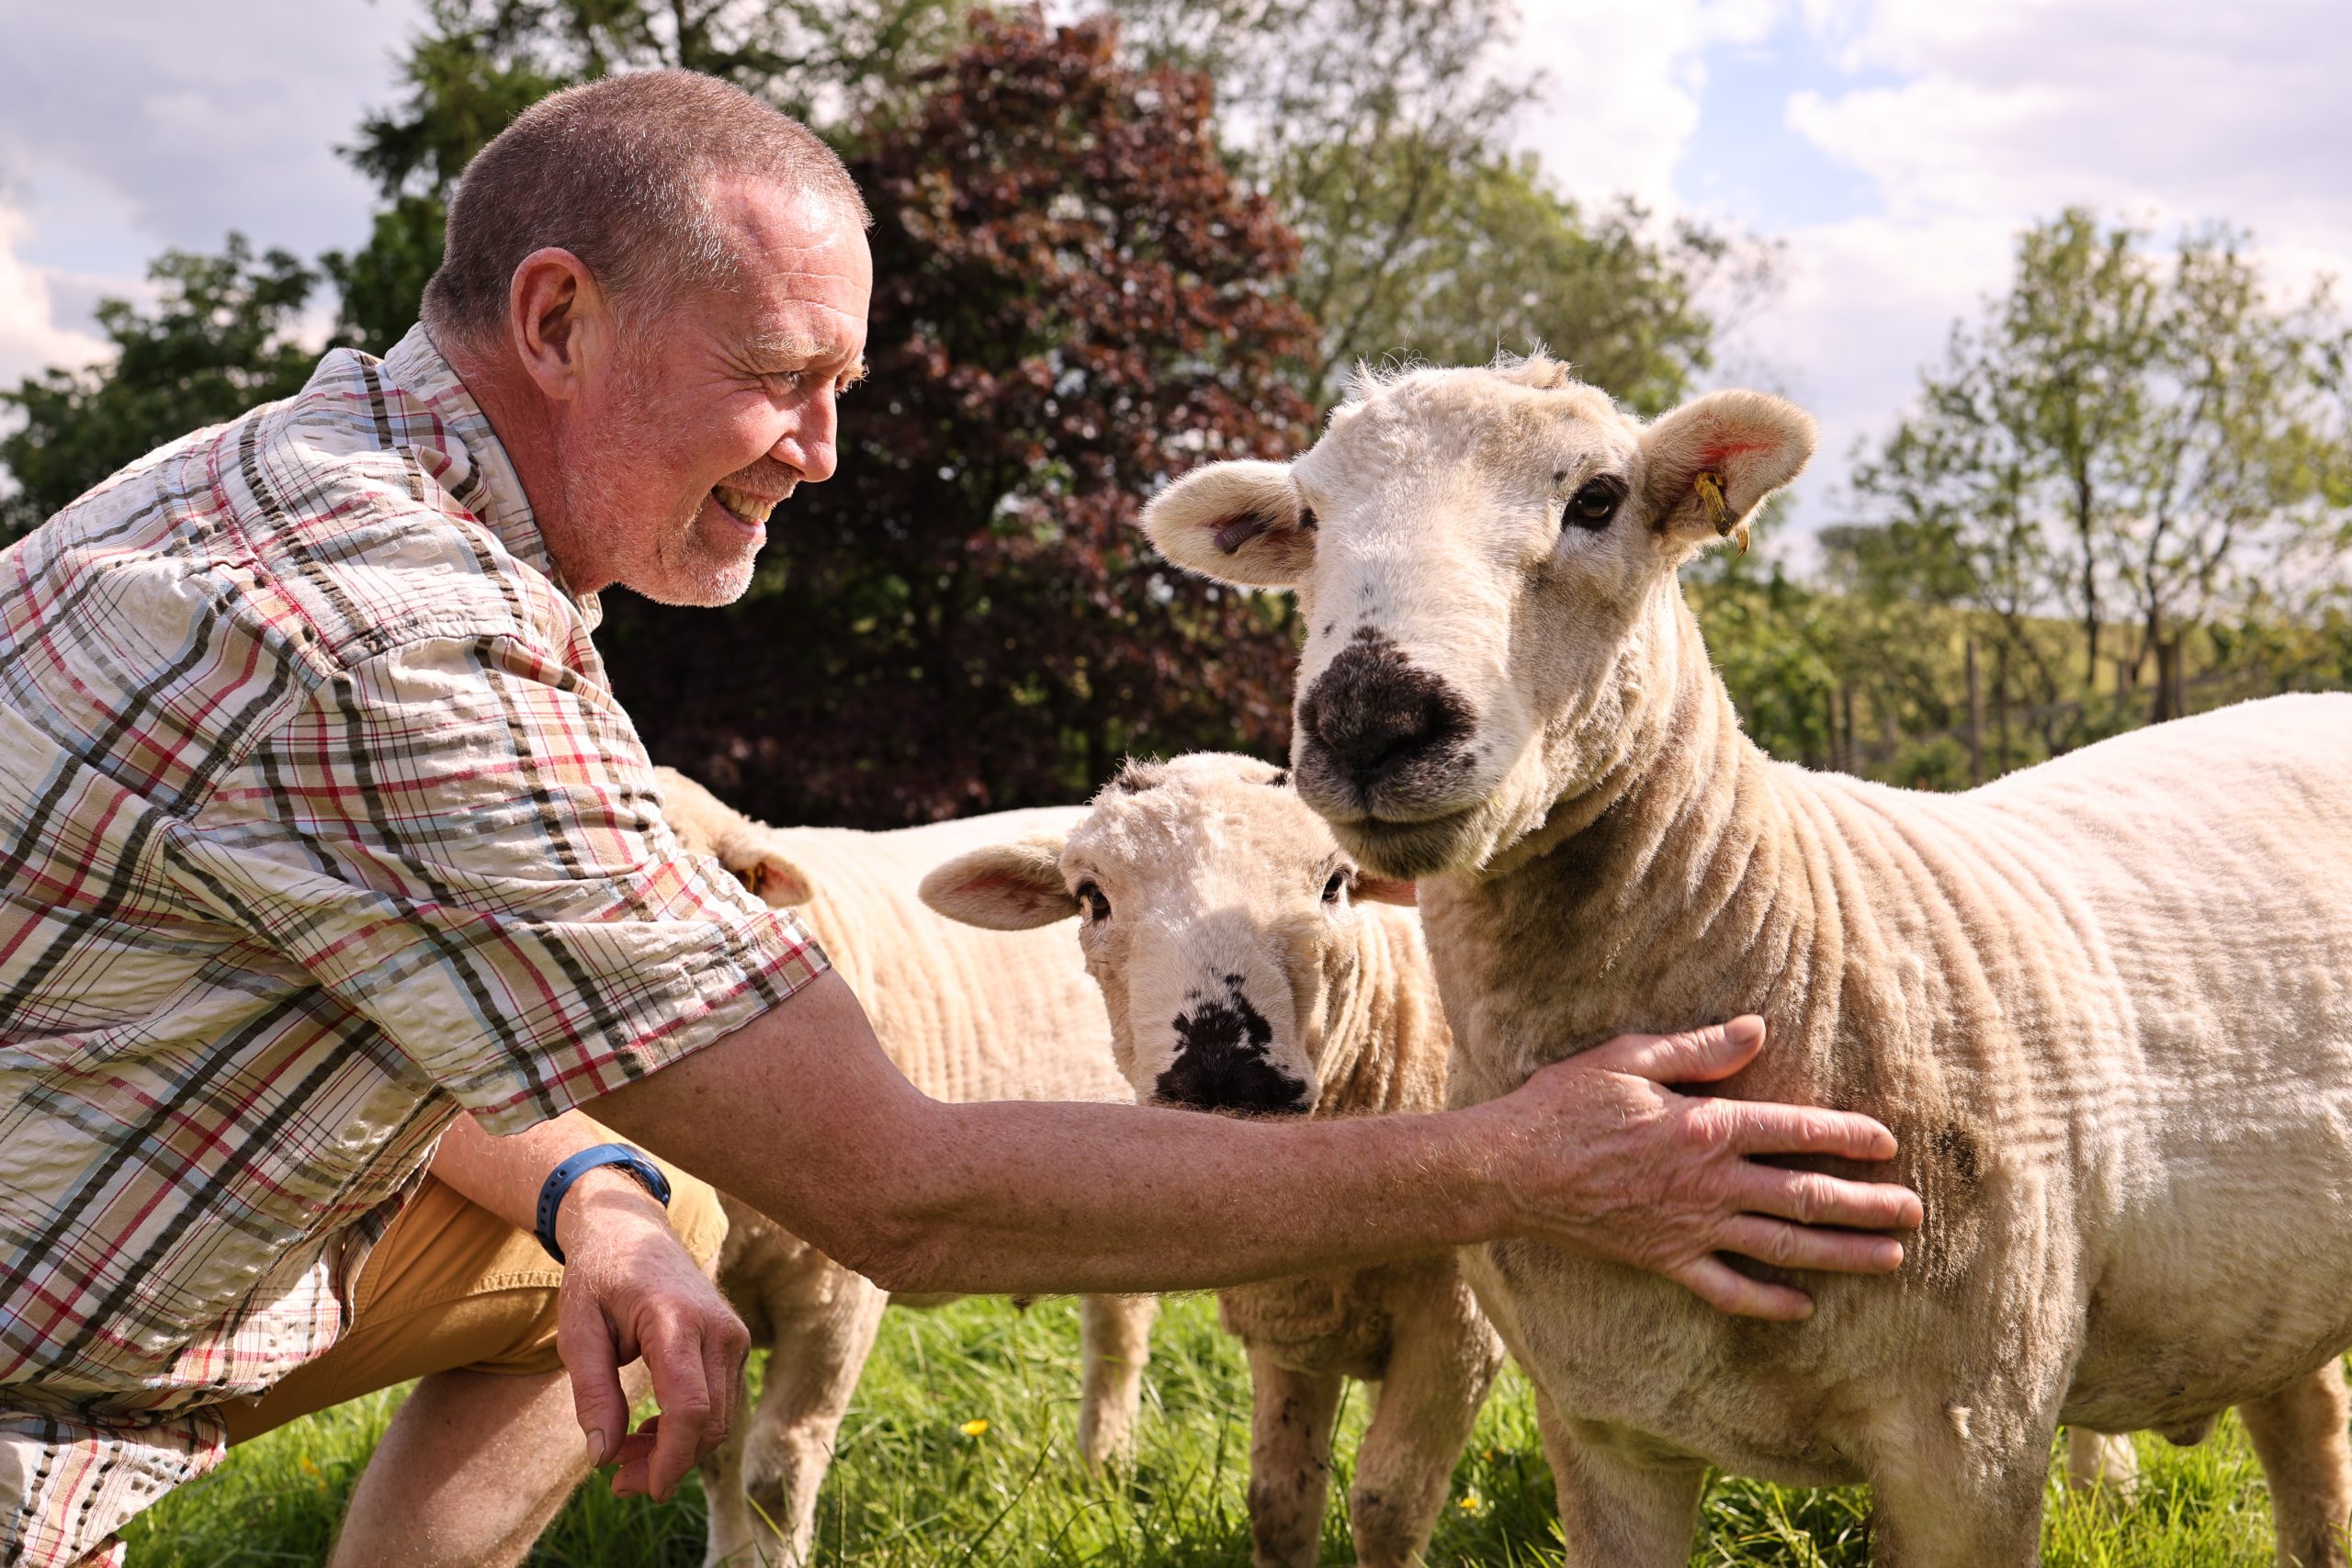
x=800, y=1114
x=630, y=1290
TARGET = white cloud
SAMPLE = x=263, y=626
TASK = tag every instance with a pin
x=1623, y=84
x=163, y=123
x=1962, y=125
x=30, y=338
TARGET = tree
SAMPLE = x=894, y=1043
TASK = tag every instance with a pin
x=481, y=62
x=2243, y=427
x=1376, y=125
x=2117, y=428
x=223, y=335
x=1073, y=303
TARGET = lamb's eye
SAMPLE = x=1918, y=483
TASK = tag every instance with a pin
x=1333, y=888
x=1097, y=906
x=1593, y=506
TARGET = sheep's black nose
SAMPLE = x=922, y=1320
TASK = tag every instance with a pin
x=1371, y=711
x=1221, y=1060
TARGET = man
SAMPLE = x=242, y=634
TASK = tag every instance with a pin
x=326, y=847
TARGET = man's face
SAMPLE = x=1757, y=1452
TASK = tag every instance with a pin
x=721, y=402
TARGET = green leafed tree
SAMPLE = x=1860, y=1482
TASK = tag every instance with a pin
x=222, y=334
x=479, y=64
x=1378, y=127
x=2143, y=437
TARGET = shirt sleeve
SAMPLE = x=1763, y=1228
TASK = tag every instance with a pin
x=459, y=839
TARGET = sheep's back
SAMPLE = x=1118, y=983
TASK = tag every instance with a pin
x=968, y=1014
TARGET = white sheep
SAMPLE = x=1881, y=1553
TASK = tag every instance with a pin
x=965, y=1017
x=1249, y=967
x=2105, y=1003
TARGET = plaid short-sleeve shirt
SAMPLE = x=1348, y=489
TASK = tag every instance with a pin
x=319, y=824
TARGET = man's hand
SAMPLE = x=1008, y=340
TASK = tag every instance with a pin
x=631, y=1290
x=1613, y=1162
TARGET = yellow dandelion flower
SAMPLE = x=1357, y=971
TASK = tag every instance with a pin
x=1469, y=1503
x=308, y=1467
x=974, y=1426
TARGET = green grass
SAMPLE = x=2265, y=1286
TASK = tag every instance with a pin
x=910, y=1488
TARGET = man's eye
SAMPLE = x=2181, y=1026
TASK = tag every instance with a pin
x=1594, y=504
x=1091, y=898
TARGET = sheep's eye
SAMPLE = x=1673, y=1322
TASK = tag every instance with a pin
x=1098, y=907
x=1333, y=888
x=1595, y=503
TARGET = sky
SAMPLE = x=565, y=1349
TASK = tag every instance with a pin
x=1893, y=148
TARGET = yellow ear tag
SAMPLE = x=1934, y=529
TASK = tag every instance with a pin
x=1710, y=487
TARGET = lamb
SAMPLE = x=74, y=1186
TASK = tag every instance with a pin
x=2105, y=1003
x=1249, y=967
x=966, y=1018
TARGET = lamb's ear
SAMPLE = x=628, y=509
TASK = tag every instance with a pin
x=1370, y=890
x=1709, y=464
x=1239, y=522
x=772, y=879
x=1012, y=886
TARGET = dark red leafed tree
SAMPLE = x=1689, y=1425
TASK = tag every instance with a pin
x=1072, y=303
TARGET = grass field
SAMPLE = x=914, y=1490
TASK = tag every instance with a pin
x=910, y=1487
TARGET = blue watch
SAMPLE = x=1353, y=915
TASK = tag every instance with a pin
x=559, y=1182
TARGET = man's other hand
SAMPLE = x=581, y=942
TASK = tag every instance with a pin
x=630, y=1290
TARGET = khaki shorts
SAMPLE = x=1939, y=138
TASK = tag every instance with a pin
x=451, y=1286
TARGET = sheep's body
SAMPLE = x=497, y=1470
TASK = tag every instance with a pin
x=1412, y=1326
x=967, y=1016
x=1241, y=975
x=2105, y=1004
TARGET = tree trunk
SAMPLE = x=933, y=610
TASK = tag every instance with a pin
x=2172, y=695
x=1975, y=720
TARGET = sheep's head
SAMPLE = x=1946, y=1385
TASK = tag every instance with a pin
x=1485, y=560
x=1214, y=911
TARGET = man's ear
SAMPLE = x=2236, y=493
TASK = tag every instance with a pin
x=1240, y=522
x=1709, y=464
x=1012, y=886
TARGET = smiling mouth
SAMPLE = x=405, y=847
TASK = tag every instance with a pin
x=752, y=511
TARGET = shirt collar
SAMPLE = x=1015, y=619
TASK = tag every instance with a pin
x=479, y=474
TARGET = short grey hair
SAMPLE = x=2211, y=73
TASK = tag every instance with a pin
x=619, y=173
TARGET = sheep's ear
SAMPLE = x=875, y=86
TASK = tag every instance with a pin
x=1240, y=522
x=1709, y=464
x=772, y=879
x=1370, y=890
x=1012, y=886
x=708, y=826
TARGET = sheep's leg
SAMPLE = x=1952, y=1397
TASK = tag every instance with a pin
x=2299, y=1434
x=1958, y=1486
x=2101, y=1458
x=1437, y=1379
x=764, y=1514
x=1291, y=1418
x=1115, y=1340
x=1615, y=1513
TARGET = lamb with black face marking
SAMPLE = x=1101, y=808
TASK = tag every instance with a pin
x=1251, y=968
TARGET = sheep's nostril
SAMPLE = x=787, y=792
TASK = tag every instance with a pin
x=1369, y=729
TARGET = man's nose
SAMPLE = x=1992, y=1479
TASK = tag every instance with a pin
x=810, y=446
